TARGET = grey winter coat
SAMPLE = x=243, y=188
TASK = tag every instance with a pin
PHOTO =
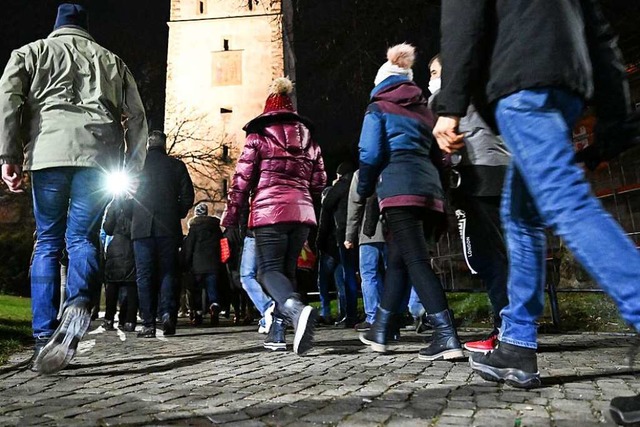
x=356, y=217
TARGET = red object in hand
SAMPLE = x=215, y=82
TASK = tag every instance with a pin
x=225, y=250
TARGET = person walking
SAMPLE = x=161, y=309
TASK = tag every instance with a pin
x=398, y=157
x=201, y=252
x=165, y=195
x=62, y=104
x=571, y=57
x=372, y=249
x=120, y=266
x=282, y=168
x=475, y=189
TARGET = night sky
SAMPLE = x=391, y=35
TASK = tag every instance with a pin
x=135, y=30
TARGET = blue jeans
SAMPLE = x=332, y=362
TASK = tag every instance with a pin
x=371, y=275
x=208, y=281
x=156, y=262
x=327, y=268
x=249, y=274
x=68, y=204
x=545, y=187
x=415, y=306
x=349, y=263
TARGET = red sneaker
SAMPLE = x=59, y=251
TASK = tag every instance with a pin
x=485, y=345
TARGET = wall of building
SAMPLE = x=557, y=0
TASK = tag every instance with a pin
x=222, y=58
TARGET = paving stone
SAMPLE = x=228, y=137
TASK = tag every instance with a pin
x=222, y=376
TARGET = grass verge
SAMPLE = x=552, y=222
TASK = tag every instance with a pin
x=15, y=325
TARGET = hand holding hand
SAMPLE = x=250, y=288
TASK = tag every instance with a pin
x=446, y=133
x=12, y=176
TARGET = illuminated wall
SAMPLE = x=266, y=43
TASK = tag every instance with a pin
x=223, y=55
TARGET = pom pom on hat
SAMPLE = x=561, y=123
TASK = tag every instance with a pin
x=401, y=58
x=279, y=98
x=403, y=55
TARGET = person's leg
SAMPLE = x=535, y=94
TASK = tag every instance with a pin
x=485, y=252
x=87, y=201
x=50, y=190
x=349, y=262
x=144, y=251
x=338, y=278
x=371, y=278
x=131, y=314
x=248, y=276
x=326, y=267
x=167, y=253
x=112, y=290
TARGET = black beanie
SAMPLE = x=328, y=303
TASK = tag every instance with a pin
x=345, y=167
x=72, y=14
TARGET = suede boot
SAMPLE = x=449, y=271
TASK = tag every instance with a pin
x=444, y=341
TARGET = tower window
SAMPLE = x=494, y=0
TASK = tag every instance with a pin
x=226, y=111
x=225, y=44
x=225, y=187
x=225, y=153
x=201, y=7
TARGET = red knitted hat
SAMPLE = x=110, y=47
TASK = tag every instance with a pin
x=278, y=98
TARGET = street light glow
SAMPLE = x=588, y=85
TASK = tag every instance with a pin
x=118, y=183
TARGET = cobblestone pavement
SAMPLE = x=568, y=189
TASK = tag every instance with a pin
x=222, y=376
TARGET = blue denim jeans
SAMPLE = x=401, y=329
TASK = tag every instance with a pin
x=415, y=306
x=372, y=277
x=208, y=281
x=249, y=276
x=329, y=267
x=349, y=264
x=68, y=204
x=545, y=187
x=156, y=263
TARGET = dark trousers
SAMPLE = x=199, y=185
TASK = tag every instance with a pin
x=348, y=259
x=410, y=228
x=156, y=257
x=277, y=249
x=484, y=246
x=129, y=304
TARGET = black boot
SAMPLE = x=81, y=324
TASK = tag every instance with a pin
x=515, y=365
x=168, y=325
x=37, y=348
x=108, y=325
x=378, y=336
x=625, y=411
x=276, y=337
x=444, y=341
x=303, y=317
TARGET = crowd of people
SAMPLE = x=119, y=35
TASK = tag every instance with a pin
x=492, y=142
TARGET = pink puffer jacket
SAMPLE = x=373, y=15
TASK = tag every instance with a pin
x=281, y=168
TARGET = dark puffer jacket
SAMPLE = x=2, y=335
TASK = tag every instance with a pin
x=398, y=154
x=120, y=264
x=201, y=247
x=282, y=168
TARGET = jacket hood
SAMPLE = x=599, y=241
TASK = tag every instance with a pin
x=398, y=90
x=283, y=127
x=202, y=221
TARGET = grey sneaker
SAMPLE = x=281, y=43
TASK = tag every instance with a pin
x=303, y=317
x=62, y=346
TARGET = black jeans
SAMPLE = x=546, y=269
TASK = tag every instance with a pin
x=277, y=249
x=409, y=263
x=484, y=246
x=128, y=306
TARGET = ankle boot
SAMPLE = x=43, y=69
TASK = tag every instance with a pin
x=303, y=318
x=377, y=337
x=444, y=341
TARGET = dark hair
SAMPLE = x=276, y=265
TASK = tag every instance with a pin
x=157, y=139
x=434, y=59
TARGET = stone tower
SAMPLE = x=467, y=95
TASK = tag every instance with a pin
x=223, y=55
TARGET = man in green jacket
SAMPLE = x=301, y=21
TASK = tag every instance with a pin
x=69, y=108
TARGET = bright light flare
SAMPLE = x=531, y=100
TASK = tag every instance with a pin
x=118, y=183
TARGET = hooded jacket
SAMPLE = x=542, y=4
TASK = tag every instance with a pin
x=358, y=216
x=398, y=153
x=201, y=248
x=282, y=168
x=62, y=103
x=120, y=263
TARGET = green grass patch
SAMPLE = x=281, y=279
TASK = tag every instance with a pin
x=15, y=325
